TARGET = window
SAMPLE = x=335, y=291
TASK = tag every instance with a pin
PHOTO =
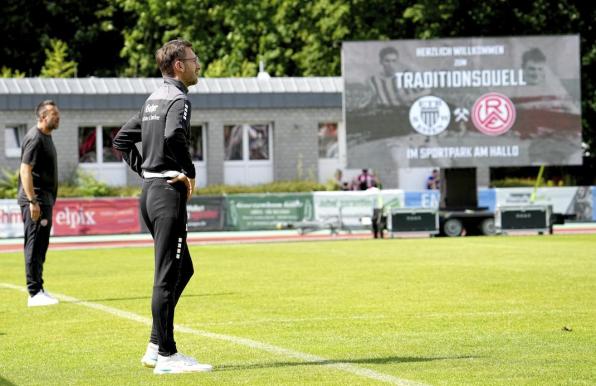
x=196, y=143
x=87, y=145
x=233, y=143
x=109, y=153
x=98, y=149
x=258, y=142
x=328, y=144
x=13, y=139
x=252, y=142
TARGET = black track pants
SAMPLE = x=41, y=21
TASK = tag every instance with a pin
x=378, y=223
x=37, y=240
x=163, y=207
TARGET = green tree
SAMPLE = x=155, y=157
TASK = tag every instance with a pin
x=91, y=28
x=154, y=22
x=6, y=72
x=57, y=65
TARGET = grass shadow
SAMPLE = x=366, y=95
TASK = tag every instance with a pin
x=5, y=382
x=373, y=361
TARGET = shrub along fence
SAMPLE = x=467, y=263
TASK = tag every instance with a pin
x=96, y=216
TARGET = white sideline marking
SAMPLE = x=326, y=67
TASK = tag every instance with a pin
x=347, y=367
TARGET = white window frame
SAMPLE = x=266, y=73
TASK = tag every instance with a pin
x=337, y=124
x=14, y=152
x=201, y=166
x=245, y=143
x=247, y=171
x=112, y=172
x=328, y=166
x=98, y=146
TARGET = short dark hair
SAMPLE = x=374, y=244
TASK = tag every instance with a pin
x=387, y=51
x=533, y=55
x=169, y=53
x=41, y=107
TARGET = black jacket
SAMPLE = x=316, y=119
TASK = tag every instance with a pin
x=163, y=128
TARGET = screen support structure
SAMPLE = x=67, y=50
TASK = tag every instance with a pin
x=459, y=213
x=458, y=189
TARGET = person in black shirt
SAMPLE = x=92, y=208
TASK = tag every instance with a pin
x=38, y=187
x=162, y=126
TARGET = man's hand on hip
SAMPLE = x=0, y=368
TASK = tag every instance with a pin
x=192, y=187
x=189, y=182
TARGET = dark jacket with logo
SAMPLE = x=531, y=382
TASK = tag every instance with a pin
x=162, y=126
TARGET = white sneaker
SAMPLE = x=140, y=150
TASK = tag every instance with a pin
x=189, y=359
x=179, y=363
x=41, y=298
x=150, y=357
x=50, y=296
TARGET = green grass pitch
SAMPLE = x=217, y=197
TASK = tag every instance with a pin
x=461, y=311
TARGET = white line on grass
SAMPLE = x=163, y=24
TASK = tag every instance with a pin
x=346, y=367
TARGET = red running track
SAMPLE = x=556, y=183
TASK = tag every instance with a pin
x=195, y=240
x=206, y=239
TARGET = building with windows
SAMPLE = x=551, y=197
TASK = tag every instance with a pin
x=244, y=130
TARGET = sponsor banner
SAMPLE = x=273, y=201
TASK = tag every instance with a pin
x=422, y=199
x=499, y=101
x=205, y=213
x=11, y=219
x=432, y=198
x=576, y=200
x=267, y=211
x=352, y=206
x=487, y=198
x=96, y=216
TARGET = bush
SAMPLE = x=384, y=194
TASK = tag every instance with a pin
x=273, y=187
x=70, y=191
x=80, y=185
x=85, y=185
x=514, y=183
x=9, y=181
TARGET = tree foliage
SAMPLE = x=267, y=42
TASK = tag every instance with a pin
x=57, y=65
x=6, y=72
x=91, y=28
x=293, y=37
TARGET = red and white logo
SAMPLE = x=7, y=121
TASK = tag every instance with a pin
x=493, y=114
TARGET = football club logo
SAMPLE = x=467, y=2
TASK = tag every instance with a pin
x=493, y=114
x=430, y=115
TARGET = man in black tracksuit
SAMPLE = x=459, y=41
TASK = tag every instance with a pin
x=163, y=128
